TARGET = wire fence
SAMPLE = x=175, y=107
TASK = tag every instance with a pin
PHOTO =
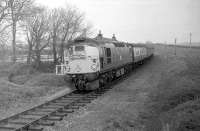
x=23, y=59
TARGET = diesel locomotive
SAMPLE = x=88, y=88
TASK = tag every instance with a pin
x=93, y=62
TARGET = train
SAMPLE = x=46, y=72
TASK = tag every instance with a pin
x=91, y=63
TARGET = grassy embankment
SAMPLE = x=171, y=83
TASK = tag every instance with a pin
x=174, y=104
x=22, y=86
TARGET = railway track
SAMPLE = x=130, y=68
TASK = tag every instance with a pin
x=35, y=119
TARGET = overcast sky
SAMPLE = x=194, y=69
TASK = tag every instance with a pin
x=140, y=20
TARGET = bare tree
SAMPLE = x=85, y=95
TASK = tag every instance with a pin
x=4, y=39
x=3, y=14
x=29, y=38
x=71, y=26
x=56, y=20
x=27, y=26
x=4, y=34
x=66, y=23
x=38, y=36
x=18, y=10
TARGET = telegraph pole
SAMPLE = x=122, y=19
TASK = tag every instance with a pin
x=190, y=39
x=175, y=40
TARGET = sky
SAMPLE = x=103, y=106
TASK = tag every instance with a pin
x=140, y=20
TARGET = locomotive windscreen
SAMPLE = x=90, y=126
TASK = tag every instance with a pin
x=76, y=52
x=79, y=48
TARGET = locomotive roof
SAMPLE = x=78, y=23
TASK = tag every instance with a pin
x=103, y=41
x=95, y=42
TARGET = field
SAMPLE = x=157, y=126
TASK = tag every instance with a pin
x=162, y=95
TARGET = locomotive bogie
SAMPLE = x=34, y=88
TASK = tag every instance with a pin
x=87, y=76
x=85, y=81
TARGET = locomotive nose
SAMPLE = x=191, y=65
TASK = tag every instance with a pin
x=78, y=68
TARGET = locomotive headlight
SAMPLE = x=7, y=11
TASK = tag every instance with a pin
x=67, y=68
x=93, y=67
x=78, y=68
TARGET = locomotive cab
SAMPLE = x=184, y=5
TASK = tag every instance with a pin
x=81, y=59
x=81, y=64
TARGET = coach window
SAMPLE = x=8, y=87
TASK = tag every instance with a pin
x=108, y=55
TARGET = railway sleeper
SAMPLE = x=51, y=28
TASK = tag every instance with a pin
x=72, y=97
x=67, y=101
x=54, y=118
x=79, y=104
x=52, y=107
x=46, y=123
x=64, y=101
x=84, y=101
x=20, y=121
x=94, y=96
x=88, y=98
x=47, y=109
x=98, y=93
x=67, y=111
x=3, y=128
x=6, y=130
x=10, y=126
x=37, y=113
x=74, y=107
x=35, y=128
x=30, y=117
x=76, y=94
x=57, y=103
x=60, y=114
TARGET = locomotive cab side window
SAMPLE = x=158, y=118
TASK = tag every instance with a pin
x=108, y=55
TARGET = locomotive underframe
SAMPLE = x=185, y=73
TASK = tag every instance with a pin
x=84, y=81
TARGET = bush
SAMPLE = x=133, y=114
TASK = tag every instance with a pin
x=20, y=69
x=47, y=79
